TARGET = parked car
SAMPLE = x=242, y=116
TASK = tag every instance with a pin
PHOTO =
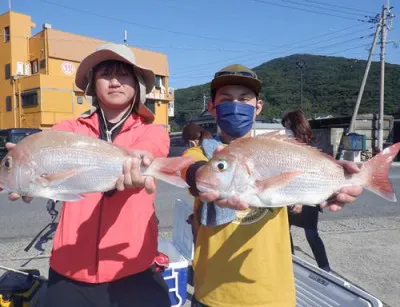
x=13, y=135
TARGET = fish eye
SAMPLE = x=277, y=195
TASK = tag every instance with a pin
x=222, y=165
x=7, y=162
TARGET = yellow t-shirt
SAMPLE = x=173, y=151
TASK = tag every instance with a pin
x=247, y=262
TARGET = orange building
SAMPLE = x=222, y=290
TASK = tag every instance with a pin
x=37, y=73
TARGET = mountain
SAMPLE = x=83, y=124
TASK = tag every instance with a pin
x=330, y=87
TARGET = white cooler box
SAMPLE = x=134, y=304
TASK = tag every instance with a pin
x=180, y=253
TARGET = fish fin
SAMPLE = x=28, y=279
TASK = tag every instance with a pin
x=277, y=181
x=175, y=180
x=167, y=169
x=63, y=196
x=47, y=180
x=376, y=173
x=278, y=135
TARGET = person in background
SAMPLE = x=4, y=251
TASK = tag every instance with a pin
x=305, y=217
x=105, y=244
x=193, y=136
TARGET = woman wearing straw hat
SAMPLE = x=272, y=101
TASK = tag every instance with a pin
x=105, y=244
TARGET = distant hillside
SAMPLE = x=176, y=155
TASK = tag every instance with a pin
x=330, y=86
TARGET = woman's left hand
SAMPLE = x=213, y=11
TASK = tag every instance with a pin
x=132, y=177
x=346, y=195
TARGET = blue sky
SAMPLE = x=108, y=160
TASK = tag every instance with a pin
x=200, y=37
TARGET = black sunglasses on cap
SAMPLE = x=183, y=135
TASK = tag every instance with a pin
x=235, y=73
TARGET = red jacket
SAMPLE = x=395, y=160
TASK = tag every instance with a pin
x=100, y=239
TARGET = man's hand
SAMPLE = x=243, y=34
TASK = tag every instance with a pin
x=346, y=195
x=233, y=203
x=16, y=196
x=10, y=146
x=132, y=177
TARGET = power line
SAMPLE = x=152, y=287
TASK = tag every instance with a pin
x=198, y=76
x=187, y=73
x=338, y=6
x=191, y=67
x=319, y=7
x=146, y=26
x=304, y=10
x=352, y=48
x=345, y=41
x=176, y=47
x=91, y=40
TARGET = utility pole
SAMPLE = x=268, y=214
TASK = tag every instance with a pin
x=385, y=10
x=204, y=102
x=9, y=5
x=364, y=81
x=301, y=65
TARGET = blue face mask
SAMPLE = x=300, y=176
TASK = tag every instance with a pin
x=235, y=118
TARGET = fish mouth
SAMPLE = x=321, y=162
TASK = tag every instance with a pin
x=203, y=186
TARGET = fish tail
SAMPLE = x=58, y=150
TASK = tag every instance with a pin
x=167, y=169
x=376, y=172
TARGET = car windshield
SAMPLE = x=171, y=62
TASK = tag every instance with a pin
x=3, y=140
x=19, y=136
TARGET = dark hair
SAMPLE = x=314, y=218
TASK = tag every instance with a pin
x=111, y=67
x=297, y=122
x=193, y=132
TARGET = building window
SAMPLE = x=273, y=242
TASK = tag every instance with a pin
x=150, y=105
x=8, y=104
x=29, y=99
x=7, y=71
x=42, y=64
x=79, y=100
x=34, y=66
x=159, y=81
x=6, y=34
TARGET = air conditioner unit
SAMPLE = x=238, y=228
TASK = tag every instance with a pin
x=20, y=69
x=28, y=69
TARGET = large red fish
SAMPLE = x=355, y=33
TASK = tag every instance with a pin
x=273, y=170
x=63, y=166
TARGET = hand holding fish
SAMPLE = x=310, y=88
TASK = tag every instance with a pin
x=234, y=202
x=132, y=177
x=346, y=195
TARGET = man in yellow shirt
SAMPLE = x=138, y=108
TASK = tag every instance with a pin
x=242, y=255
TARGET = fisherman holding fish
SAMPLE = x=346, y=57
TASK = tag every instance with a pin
x=105, y=243
x=242, y=254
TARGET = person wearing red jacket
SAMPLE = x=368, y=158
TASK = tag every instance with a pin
x=105, y=244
